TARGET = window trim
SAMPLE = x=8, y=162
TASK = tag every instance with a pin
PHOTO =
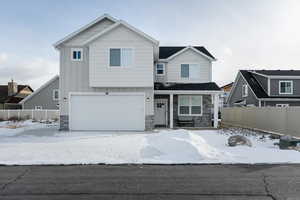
x=38, y=107
x=164, y=69
x=81, y=54
x=243, y=90
x=190, y=106
x=292, y=87
x=53, y=94
x=121, y=66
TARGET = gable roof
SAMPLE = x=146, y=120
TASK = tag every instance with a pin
x=187, y=86
x=257, y=88
x=227, y=85
x=166, y=52
x=119, y=23
x=39, y=89
x=68, y=37
x=4, y=92
x=278, y=72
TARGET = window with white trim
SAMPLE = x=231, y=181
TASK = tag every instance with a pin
x=38, y=107
x=245, y=90
x=285, y=87
x=55, y=94
x=282, y=105
x=190, y=71
x=76, y=54
x=120, y=57
x=160, y=69
x=190, y=105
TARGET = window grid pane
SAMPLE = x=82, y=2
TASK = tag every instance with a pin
x=184, y=100
x=115, y=57
x=127, y=57
x=196, y=110
x=196, y=100
x=160, y=69
x=184, y=110
x=185, y=71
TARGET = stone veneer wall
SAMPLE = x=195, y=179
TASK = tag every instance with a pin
x=64, y=123
x=149, y=122
x=200, y=121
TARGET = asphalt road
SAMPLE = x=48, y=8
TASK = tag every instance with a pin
x=135, y=182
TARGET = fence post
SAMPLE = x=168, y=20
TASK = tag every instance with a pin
x=46, y=114
x=18, y=114
x=8, y=116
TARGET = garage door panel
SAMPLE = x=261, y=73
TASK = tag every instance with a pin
x=107, y=112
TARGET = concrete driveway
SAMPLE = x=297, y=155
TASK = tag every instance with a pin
x=229, y=182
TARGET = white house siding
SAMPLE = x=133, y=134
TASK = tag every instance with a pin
x=138, y=75
x=75, y=78
x=85, y=35
x=189, y=57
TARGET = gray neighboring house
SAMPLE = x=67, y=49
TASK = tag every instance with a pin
x=115, y=77
x=44, y=98
x=263, y=88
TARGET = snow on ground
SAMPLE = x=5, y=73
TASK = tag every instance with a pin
x=39, y=144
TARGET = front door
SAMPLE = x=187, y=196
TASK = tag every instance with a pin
x=160, y=111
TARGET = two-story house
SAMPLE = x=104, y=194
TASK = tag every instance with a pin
x=115, y=77
x=262, y=88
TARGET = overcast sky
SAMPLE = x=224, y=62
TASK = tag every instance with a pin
x=256, y=34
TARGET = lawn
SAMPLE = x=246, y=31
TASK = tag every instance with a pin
x=28, y=143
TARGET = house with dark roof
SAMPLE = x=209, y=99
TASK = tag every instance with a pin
x=116, y=77
x=263, y=88
x=226, y=91
x=12, y=93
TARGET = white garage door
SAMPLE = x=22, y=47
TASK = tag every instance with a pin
x=114, y=111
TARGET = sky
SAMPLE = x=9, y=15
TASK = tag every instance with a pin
x=256, y=34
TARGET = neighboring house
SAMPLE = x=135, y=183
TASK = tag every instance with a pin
x=46, y=97
x=261, y=88
x=115, y=77
x=226, y=91
x=12, y=93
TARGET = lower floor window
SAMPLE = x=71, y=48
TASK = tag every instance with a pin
x=190, y=105
x=282, y=105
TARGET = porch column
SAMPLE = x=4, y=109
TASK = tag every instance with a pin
x=216, y=110
x=171, y=110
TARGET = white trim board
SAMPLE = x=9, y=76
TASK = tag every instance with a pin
x=187, y=92
x=120, y=22
x=68, y=37
x=185, y=49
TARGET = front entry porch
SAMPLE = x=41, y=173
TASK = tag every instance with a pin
x=189, y=109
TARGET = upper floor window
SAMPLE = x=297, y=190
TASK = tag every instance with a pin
x=120, y=57
x=76, y=54
x=245, y=90
x=55, y=95
x=190, y=71
x=285, y=87
x=160, y=69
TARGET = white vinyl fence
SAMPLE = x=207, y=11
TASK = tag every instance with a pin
x=271, y=119
x=29, y=114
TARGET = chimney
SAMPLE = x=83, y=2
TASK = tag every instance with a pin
x=12, y=88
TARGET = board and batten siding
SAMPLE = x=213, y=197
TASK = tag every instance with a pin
x=140, y=74
x=189, y=57
x=44, y=98
x=86, y=34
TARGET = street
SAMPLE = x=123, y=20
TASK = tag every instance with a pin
x=229, y=182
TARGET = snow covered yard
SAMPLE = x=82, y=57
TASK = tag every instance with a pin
x=36, y=143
